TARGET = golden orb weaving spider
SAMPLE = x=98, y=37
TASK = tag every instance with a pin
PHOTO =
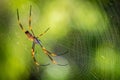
x=31, y=36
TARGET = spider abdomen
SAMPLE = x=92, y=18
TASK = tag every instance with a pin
x=37, y=41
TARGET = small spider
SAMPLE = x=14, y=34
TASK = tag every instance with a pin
x=31, y=36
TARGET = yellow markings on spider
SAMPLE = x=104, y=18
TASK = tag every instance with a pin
x=53, y=54
x=54, y=62
x=35, y=39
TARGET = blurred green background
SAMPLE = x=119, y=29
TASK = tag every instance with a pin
x=87, y=29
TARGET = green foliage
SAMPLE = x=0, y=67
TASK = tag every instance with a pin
x=88, y=30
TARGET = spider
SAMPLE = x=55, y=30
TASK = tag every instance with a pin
x=31, y=36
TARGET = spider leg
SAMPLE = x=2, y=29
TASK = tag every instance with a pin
x=19, y=21
x=48, y=52
x=52, y=54
x=53, y=61
x=43, y=32
x=62, y=64
x=33, y=54
x=30, y=27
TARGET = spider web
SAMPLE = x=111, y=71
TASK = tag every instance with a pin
x=90, y=56
x=82, y=47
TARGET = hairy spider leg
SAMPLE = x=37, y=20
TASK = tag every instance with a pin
x=30, y=36
x=19, y=21
x=53, y=61
x=33, y=54
x=43, y=32
x=49, y=54
x=36, y=41
x=30, y=27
